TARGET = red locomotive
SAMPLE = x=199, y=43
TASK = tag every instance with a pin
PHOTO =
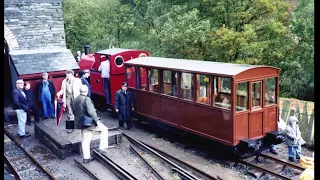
x=232, y=104
x=117, y=57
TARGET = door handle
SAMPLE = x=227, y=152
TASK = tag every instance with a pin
x=97, y=81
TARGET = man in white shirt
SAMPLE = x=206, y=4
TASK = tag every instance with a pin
x=70, y=89
x=104, y=68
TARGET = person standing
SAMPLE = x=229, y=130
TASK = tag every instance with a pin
x=20, y=105
x=70, y=89
x=84, y=80
x=123, y=104
x=78, y=56
x=32, y=104
x=104, y=68
x=82, y=105
x=46, y=93
x=294, y=139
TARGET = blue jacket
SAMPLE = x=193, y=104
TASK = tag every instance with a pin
x=85, y=82
x=19, y=101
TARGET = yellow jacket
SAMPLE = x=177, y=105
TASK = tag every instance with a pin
x=308, y=163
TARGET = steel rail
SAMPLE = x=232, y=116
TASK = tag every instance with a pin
x=81, y=166
x=194, y=169
x=10, y=166
x=146, y=162
x=264, y=170
x=282, y=162
x=160, y=156
x=115, y=168
x=28, y=154
x=181, y=174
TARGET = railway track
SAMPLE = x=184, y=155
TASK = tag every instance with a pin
x=270, y=165
x=176, y=166
x=21, y=163
x=185, y=170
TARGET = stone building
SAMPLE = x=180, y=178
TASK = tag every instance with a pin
x=34, y=32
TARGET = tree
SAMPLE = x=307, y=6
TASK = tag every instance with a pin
x=298, y=68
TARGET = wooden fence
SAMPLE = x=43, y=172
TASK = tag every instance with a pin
x=304, y=111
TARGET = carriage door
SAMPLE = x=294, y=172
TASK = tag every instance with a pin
x=256, y=113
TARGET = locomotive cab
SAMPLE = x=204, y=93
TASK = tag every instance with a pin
x=116, y=57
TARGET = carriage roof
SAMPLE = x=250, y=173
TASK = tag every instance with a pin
x=114, y=51
x=208, y=67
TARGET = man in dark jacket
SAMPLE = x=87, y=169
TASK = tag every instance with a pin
x=82, y=105
x=46, y=92
x=123, y=105
x=84, y=80
x=20, y=105
x=32, y=104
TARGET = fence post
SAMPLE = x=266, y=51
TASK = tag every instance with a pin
x=304, y=121
x=308, y=132
x=298, y=114
x=285, y=110
x=291, y=112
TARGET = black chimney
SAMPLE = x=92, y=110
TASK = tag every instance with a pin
x=86, y=49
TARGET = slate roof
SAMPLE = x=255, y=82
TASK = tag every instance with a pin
x=210, y=67
x=38, y=61
x=35, y=24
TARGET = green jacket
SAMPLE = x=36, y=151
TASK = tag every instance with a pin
x=81, y=105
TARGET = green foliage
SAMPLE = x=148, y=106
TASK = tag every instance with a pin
x=298, y=68
x=265, y=32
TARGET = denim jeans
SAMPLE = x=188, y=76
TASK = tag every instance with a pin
x=47, y=106
x=22, y=118
x=291, y=151
x=106, y=84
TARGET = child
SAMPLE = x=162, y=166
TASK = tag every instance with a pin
x=294, y=139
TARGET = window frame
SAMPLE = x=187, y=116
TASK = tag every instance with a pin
x=248, y=98
x=159, y=84
x=276, y=91
x=261, y=92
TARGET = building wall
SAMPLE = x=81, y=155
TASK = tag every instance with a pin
x=36, y=24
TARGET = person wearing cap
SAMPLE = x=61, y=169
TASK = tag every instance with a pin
x=123, y=104
x=32, y=104
x=20, y=105
x=84, y=80
x=104, y=68
x=82, y=105
x=294, y=139
x=70, y=90
x=45, y=92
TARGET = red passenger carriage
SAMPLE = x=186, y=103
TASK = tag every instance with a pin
x=228, y=103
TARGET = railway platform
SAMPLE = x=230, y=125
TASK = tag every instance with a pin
x=58, y=140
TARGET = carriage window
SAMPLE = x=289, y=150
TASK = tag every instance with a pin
x=153, y=83
x=242, y=96
x=203, y=88
x=186, y=86
x=131, y=76
x=256, y=94
x=222, y=98
x=170, y=79
x=271, y=96
x=142, y=78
